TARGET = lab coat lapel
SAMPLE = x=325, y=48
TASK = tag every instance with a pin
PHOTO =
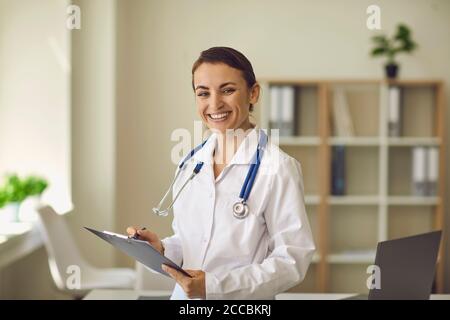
x=204, y=183
x=247, y=149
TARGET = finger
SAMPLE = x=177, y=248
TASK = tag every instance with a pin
x=144, y=232
x=175, y=274
x=146, y=235
x=192, y=273
x=132, y=230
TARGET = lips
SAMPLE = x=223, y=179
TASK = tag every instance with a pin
x=219, y=117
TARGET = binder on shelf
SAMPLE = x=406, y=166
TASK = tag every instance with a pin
x=275, y=103
x=338, y=184
x=287, y=111
x=419, y=180
x=342, y=121
x=394, y=112
x=282, y=110
x=432, y=170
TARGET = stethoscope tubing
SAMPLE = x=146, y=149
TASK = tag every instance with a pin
x=246, y=187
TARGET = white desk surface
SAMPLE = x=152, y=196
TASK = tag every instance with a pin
x=103, y=294
x=337, y=296
x=116, y=294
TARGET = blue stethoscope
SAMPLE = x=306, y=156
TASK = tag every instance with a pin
x=240, y=208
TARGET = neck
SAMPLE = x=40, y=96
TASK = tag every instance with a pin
x=228, y=143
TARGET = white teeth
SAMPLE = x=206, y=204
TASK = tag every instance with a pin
x=219, y=115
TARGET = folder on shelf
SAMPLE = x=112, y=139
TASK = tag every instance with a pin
x=432, y=170
x=275, y=103
x=342, y=121
x=287, y=111
x=282, y=109
x=394, y=112
x=338, y=171
x=419, y=183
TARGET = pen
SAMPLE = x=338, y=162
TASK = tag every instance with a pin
x=136, y=236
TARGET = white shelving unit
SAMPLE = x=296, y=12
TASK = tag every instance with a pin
x=354, y=200
x=312, y=199
x=412, y=141
x=300, y=141
x=354, y=141
x=413, y=201
x=356, y=257
x=378, y=205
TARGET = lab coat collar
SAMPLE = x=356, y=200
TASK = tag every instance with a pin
x=247, y=148
x=243, y=155
x=205, y=153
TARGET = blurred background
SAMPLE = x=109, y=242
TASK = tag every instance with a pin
x=92, y=109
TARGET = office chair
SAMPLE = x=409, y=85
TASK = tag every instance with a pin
x=63, y=254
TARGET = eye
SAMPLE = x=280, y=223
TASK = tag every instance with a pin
x=203, y=94
x=229, y=90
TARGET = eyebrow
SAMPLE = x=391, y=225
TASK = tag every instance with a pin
x=221, y=86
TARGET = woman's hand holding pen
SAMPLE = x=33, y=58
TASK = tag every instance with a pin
x=193, y=287
x=146, y=235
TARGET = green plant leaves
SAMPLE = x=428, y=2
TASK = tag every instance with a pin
x=16, y=189
x=400, y=42
x=3, y=198
x=378, y=51
x=403, y=32
x=380, y=40
x=34, y=185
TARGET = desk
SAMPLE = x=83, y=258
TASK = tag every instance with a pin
x=111, y=294
x=337, y=296
x=17, y=240
x=103, y=294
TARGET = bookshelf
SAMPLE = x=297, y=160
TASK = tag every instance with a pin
x=378, y=203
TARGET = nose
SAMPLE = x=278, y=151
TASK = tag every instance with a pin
x=216, y=102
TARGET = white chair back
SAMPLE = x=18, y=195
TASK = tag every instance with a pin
x=61, y=248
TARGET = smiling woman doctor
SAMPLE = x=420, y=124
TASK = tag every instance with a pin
x=240, y=226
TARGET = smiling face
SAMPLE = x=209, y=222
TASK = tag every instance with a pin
x=223, y=97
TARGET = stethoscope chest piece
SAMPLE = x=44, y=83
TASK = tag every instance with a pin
x=240, y=210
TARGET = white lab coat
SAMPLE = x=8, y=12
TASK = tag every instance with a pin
x=254, y=258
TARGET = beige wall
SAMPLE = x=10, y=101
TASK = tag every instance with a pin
x=93, y=127
x=159, y=40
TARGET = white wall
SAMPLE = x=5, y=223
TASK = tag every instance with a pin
x=35, y=120
x=35, y=94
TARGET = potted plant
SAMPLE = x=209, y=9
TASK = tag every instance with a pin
x=390, y=47
x=16, y=190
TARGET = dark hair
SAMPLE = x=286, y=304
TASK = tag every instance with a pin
x=230, y=57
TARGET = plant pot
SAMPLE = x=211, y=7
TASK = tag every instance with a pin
x=28, y=209
x=391, y=70
x=10, y=213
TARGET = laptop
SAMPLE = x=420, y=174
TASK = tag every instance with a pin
x=406, y=268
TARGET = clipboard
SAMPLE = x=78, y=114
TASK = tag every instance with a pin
x=140, y=250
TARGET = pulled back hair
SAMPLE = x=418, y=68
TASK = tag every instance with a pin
x=230, y=57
